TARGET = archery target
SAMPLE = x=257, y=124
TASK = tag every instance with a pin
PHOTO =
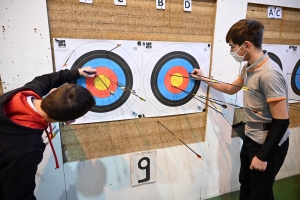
x=171, y=68
x=118, y=73
x=170, y=89
x=112, y=71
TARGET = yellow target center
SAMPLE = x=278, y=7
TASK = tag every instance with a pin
x=176, y=79
x=101, y=82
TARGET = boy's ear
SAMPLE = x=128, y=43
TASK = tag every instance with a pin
x=53, y=89
x=247, y=44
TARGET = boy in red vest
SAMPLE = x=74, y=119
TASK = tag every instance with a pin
x=24, y=115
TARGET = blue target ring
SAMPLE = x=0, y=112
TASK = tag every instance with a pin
x=295, y=79
x=121, y=70
x=166, y=63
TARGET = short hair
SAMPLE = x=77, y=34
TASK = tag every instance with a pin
x=68, y=102
x=246, y=30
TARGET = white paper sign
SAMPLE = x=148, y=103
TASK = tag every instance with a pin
x=160, y=4
x=278, y=12
x=271, y=12
x=143, y=168
x=86, y=1
x=120, y=2
x=187, y=5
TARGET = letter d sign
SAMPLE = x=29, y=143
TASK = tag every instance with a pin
x=187, y=5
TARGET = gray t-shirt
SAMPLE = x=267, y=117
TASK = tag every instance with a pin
x=266, y=79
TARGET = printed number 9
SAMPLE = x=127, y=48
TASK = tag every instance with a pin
x=147, y=167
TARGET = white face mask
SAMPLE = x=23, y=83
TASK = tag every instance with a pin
x=236, y=56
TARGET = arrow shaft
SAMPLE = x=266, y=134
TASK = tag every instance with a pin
x=179, y=139
x=224, y=102
x=197, y=99
x=120, y=85
x=70, y=56
x=113, y=48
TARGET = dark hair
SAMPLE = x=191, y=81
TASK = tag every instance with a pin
x=68, y=102
x=246, y=30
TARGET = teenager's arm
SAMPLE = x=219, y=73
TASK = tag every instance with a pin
x=43, y=84
x=222, y=87
x=278, y=127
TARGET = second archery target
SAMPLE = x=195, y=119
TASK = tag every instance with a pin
x=170, y=88
x=170, y=82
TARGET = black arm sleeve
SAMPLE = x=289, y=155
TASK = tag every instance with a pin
x=43, y=84
x=277, y=130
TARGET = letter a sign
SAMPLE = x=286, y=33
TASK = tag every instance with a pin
x=271, y=12
x=187, y=5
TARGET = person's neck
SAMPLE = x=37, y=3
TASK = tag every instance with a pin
x=255, y=55
x=37, y=104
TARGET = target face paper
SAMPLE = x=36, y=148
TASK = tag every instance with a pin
x=170, y=90
x=288, y=59
x=136, y=78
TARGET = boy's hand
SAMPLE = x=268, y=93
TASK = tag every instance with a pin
x=87, y=72
x=197, y=74
x=258, y=164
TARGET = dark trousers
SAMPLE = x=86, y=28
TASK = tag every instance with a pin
x=257, y=185
x=17, y=176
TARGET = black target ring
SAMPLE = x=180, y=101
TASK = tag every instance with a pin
x=275, y=58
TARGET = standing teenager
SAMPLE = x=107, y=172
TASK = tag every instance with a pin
x=266, y=143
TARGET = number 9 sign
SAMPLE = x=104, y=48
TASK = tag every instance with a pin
x=143, y=169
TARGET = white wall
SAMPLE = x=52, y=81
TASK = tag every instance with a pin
x=283, y=3
x=25, y=53
x=180, y=175
x=25, y=43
